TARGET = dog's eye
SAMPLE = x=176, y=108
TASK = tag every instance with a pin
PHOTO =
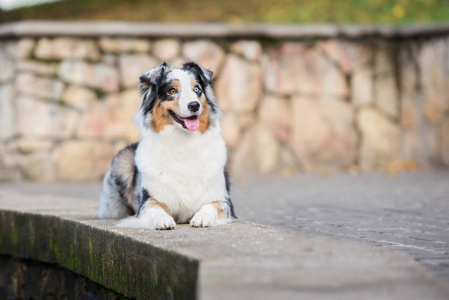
x=172, y=91
x=197, y=90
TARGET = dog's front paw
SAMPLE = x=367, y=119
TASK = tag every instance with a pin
x=203, y=219
x=164, y=222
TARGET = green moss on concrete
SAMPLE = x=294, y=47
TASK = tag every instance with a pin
x=76, y=263
x=31, y=235
x=154, y=274
x=116, y=262
x=13, y=235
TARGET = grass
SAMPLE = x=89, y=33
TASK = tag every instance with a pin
x=237, y=11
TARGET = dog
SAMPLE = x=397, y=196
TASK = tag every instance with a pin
x=177, y=172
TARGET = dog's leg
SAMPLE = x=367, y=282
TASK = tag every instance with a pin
x=215, y=213
x=158, y=213
x=112, y=204
x=153, y=215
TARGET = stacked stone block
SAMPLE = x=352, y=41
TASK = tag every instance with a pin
x=66, y=104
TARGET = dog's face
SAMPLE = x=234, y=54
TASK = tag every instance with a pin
x=180, y=97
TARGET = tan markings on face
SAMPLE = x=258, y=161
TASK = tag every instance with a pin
x=156, y=204
x=177, y=86
x=220, y=212
x=204, y=117
x=160, y=114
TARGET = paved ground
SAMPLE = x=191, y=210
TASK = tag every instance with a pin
x=409, y=212
x=239, y=261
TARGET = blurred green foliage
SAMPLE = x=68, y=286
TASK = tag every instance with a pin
x=237, y=11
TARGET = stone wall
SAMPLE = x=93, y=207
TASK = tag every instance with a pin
x=291, y=104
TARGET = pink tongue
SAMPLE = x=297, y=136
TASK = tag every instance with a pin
x=192, y=125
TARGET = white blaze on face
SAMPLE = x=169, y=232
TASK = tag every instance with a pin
x=187, y=94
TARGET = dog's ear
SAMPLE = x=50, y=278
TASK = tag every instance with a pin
x=202, y=74
x=153, y=77
x=149, y=84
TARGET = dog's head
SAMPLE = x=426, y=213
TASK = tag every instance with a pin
x=179, y=97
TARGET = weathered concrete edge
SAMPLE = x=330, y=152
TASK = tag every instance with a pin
x=98, y=255
x=217, y=30
x=227, y=262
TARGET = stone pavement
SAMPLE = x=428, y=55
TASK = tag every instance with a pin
x=408, y=213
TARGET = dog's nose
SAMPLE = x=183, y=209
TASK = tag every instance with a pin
x=193, y=106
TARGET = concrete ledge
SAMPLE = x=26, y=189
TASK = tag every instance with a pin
x=122, y=265
x=237, y=261
x=214, y=30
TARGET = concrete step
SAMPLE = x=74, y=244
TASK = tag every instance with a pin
x=241, y=260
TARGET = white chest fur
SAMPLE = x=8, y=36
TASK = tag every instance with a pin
x=183, y=170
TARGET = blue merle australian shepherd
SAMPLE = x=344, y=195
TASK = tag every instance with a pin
x=177, y=172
